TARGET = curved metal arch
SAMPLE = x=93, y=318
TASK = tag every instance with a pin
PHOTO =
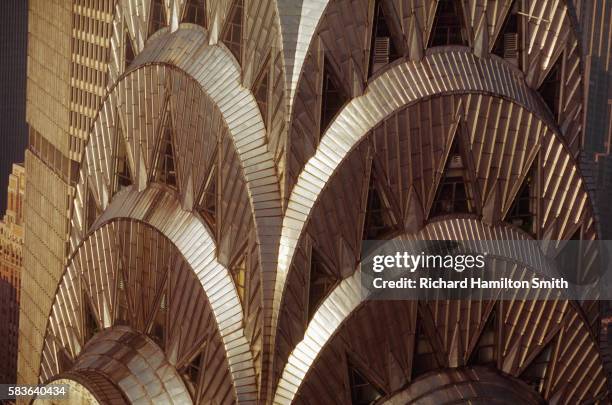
x=456, y=71
x=348, y=296
x=127, y=352
x=465, y=384
x=216, y=71
x=191, y=237
x=91, y=388
x=188, y=233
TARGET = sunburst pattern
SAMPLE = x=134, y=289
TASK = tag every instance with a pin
x=129, y=274
x=244, y=150
x=389, y=339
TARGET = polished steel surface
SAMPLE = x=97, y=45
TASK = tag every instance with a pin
x=205, y=166
x=409, y=82
x=188, y=242
x=342, y=302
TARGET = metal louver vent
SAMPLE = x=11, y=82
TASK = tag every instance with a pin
x=511, y=47
x=382, y=47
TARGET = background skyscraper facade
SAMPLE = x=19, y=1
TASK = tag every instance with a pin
x=201, y=175
x=13, y=74
x=11, y=266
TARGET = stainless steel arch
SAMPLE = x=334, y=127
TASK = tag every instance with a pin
x=188, y=233
x=217, y=71
x=465, y=384
x=443, y=71
x=347, y=296
x=218, y=74
x=124, y=356
x=191, y=237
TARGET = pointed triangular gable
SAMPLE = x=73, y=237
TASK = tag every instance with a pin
x=238, y=269
x=232, y=34
x=382, y=49
x=192, y=370
x=195, y=12
x=165, y=167
x=158, y=323
x=122, y=308
x=455, y=192
x=92, y=211
x=157, y=18
x=448, y=26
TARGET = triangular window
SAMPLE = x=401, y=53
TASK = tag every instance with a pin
x=158, y=16
x=89, y=319
x=207, y=203
x=523, y=211
x=158, y=327
x=363, y=392
x=378, y=222
x=485, y=351
x=192, y=372
x=507, y=44
x=322, y=281
x=535, y=373
x=123, y=175
x=232, y=35
x=122, y=308
x=454, y=192
x=260, y=90
x=64, y=361
x=550, y=90
x=447, y=26
x=129, y=50
x=424, y=358
x=333, y=97
x=238, y=269
x=382, y=49
x=92, y=211
x=165, y=171
x=195, y=12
